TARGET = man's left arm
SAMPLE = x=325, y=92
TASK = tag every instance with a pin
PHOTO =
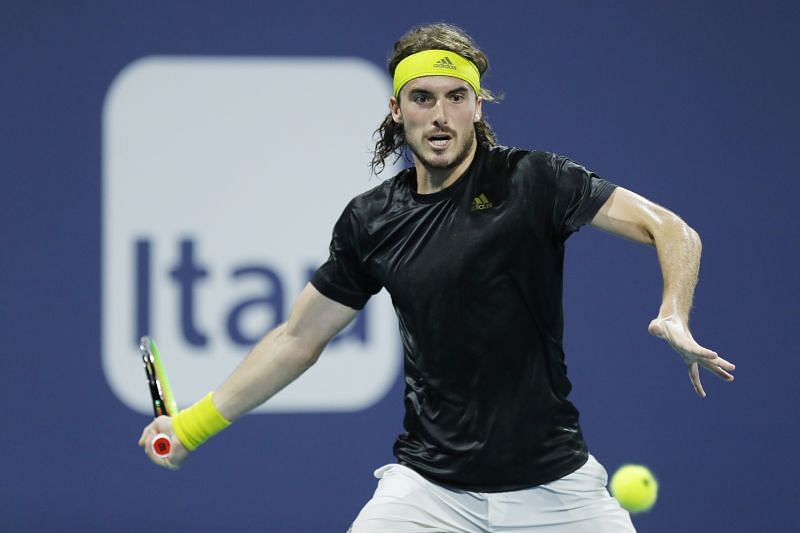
x=633, y=217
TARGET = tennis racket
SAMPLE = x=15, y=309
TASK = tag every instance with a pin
x=160, y=391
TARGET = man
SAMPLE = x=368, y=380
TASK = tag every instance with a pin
x=469, y=243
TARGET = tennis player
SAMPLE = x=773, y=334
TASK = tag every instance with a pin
x=469, y=242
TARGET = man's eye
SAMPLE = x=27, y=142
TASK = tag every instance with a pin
x=421, y=99
x=458, y=97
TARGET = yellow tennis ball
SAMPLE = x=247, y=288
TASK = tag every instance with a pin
x=634, y=487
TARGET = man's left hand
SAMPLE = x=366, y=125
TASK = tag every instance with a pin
x=676, y=332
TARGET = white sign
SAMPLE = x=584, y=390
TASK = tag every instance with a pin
x=222, y=179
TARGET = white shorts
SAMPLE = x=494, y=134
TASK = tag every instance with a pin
x=406, y=502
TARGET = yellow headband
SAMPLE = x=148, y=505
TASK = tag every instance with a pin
x=436, y=63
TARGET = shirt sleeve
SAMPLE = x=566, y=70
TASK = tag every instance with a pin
x=343, y=277
x=579, y=195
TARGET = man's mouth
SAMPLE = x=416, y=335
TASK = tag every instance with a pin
x=439, y=141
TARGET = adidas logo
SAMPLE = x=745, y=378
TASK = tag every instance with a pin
x=444, y=63
x=480, y=202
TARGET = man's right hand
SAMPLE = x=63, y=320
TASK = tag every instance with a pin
x=177, y=453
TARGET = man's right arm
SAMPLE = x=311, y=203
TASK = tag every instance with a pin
x=284, y=354
x=274, y=362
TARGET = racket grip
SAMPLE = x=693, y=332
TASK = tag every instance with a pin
x=161, y=445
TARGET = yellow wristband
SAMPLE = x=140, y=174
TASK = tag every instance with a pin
x=198, y=423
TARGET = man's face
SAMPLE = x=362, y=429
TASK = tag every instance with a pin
x=438, y=115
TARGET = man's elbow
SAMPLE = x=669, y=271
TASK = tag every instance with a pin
x=673, y=227
x=695, y=238
x=669, y=226
x=311, y=356
x=305, y=351
x=689, y=234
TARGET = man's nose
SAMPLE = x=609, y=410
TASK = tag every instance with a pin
x=440, y=114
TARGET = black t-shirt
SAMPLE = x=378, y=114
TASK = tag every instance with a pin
x=475, y=274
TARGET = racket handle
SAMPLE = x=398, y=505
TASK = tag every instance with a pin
x=161, y=445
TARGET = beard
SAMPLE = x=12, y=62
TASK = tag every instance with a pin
x=461, y=151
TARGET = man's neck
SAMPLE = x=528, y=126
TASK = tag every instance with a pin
x=431, y=180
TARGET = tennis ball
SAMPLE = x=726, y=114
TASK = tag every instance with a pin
x=634, y=487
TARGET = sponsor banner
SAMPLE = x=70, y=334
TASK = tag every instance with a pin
x=222, y=179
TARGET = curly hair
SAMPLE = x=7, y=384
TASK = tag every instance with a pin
x=390, y=136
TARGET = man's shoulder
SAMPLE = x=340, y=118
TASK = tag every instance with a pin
x=381, y=196
x=512, y=156
x=521, y=164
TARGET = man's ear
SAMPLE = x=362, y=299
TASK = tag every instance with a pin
x=478, y=110
x=394, y=107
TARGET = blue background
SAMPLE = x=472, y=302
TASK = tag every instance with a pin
x=692, y=104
